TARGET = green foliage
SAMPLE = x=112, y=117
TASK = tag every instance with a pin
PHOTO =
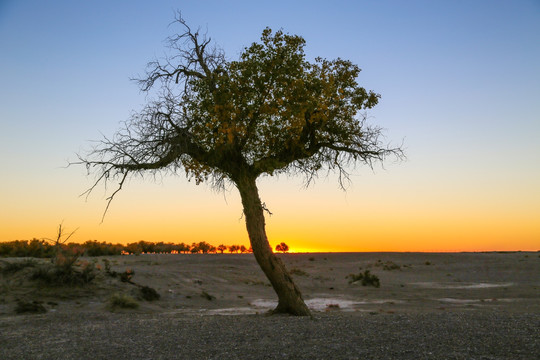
x=276, y=107
x=123, y=301
x=34, y=307
x=366, y=278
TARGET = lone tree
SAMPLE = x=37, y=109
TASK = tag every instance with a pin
x=282, y=247
x=270, y=112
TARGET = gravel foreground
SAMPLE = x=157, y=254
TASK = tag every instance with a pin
x=331, y=335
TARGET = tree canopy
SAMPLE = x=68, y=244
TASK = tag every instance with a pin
x=269, y=112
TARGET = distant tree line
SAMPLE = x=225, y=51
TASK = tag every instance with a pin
x=40, y=248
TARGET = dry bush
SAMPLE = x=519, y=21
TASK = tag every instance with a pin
x=122, y=301
x=366, y=278
x=149, y=294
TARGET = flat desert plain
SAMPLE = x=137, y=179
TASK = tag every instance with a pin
x=214, y=306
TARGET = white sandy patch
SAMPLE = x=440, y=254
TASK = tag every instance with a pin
x=232, y=311
x=322, y=304
x=436, y=285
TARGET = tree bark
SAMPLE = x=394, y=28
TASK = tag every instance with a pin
x=289, y=297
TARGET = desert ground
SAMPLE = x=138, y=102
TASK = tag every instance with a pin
x=214, y=306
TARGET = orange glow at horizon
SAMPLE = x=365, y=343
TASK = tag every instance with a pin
x=470, y=180
x=318, y=219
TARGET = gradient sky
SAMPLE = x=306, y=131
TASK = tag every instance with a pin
x=460, y=85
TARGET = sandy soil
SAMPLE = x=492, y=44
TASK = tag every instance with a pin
x=424, y=282
x=476, y=292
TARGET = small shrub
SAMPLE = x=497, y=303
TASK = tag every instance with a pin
x=311, y=259
x=123, y=301
x=390, y=265
x=299, y=272
x=207, y=296
x=34, y=307
x=108, y=270
x=366, y=278
x=149, y=294
x=428, y=263
x=127, y=275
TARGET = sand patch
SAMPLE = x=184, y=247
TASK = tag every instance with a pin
x=438, y=285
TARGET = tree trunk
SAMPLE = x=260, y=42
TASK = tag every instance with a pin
x=289, y=297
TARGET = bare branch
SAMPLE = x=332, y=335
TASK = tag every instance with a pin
x=189, y=59
x=110, y=198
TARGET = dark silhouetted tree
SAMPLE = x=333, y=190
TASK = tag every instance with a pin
x=270, y=112
x=282, y=247
x=204, y=247
x=221, y=248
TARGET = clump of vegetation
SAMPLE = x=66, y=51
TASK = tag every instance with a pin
x=64, y=275
x=124, y=276
x=149, y=294
x=123, y=301
x=127, y=275
x=388, y=265
x=34, y=307
x=207, y=296
x=12, y=267
x=64, y=268
x=299, y=272
x=428, y=263
x=311, y=259
x=366, y=278
x=24, y=248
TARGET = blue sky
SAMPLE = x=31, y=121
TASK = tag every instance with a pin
x=460, y=85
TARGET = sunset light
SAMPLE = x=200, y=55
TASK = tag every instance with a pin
x=307, y=179
x=462, y=101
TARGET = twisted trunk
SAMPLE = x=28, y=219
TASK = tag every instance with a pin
x=289, y=297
